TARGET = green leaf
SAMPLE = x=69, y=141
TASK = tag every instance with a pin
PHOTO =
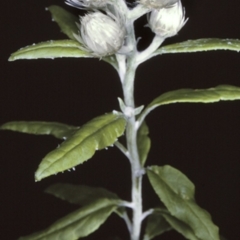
x=97, y=134
x=156, y=225
x=79, y=194
x=77, y=224
x=181, y=227
x=200, y=45
x=58, y=130
x=210, y=95
x=65, y=20
x=176, y=191
x=50, y=49
x=82, y=195
x=144, y=142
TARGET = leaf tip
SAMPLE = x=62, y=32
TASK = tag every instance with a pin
x=38, y=176
x=11, y=58
x=50, y=8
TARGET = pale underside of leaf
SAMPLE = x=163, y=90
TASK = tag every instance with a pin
x=210, y=95
x=79, y=194
x=50, y=49
x=65, y=20
x=97, y=134
x=58, y=130
x=77, y=224
x=200, y=45
x=176, y=191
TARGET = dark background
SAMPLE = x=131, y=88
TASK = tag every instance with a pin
x=201, y=140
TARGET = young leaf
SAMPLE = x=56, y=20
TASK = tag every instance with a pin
x=156, y=225
x=210, y=95
x=79, y=194
x=97, y=134
x=77, y=224
x=200, y=45
x=65, y=20
x=50, y=49
x=144, y=142
x=58, y=130
x=176, y=191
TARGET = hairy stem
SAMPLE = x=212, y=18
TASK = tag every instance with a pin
x=131, y=138
x=127, y=66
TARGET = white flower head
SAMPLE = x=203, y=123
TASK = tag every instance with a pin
x=82, y=4
x=167, y=22
x=101, y=34
x=157, y=4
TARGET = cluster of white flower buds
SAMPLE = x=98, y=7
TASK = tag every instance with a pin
x=103, y=31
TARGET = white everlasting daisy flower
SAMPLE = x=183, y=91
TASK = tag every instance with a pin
x=157, y=4
x=101, y=34
x=82, y=4
x=167, y=22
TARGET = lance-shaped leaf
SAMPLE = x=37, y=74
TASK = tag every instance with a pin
x=79, y=194
x=156, y=225
x=65, y=20
x=200, y=45
x=210, y=95
x=144, y=142
x=97, y=134
x=58, y=130
x=82, y=194
x=78, y=224
x=51, y=49
x=176, y=191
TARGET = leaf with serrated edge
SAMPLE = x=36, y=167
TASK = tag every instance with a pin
x=200, y=45
x=51, y=49
x=156, y=225
x=58, y=130
x=210, y=95
x=77, y=224
x=176, y=191
x=97, y=134
x=65, y=20
x=143, y=142
x=79, y=194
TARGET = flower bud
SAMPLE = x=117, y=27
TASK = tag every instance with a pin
x=157, y=4
x=81, y=4
x=167, y=22
x=101, y=34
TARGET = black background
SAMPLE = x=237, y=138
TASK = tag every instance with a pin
x=200, y=140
